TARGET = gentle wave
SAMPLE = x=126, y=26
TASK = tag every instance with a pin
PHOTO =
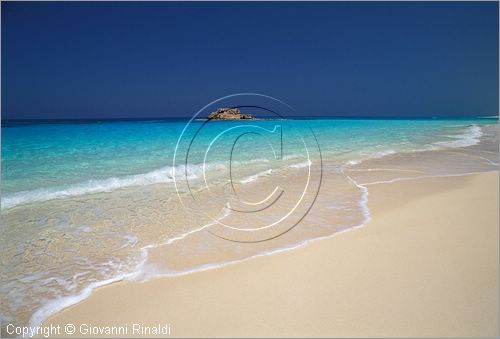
x=472, y=136
x=162, y=175
x=372, y=156
x=469, y=138
x=158, y=176
x=301, y=164
x=267, y=172
x=255, y=176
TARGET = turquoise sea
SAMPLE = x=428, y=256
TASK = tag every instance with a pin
x=45, y=160
x=74, y=193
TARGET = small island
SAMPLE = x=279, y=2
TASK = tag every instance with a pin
x=229, y=114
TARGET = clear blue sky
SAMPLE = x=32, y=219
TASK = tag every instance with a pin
x=164, y=59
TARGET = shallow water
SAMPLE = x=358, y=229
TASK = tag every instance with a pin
x=87, y=204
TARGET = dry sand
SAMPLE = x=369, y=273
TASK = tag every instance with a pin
x=425, y=265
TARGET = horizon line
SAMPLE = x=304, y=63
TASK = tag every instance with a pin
x=288, y=117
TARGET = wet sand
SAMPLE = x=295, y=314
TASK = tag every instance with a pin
x=426, y=264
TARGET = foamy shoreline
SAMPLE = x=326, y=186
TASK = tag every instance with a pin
x=382, y=199
x=139, y=276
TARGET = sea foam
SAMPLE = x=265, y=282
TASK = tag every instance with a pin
x=162, y=175
x=471, y=137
